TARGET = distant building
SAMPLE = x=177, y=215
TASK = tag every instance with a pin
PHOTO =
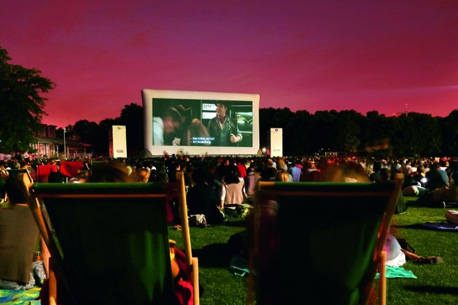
x=49, y=145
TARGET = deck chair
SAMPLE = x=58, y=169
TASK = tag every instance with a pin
x=320, y=243
x=19, y=234
x=109, y=241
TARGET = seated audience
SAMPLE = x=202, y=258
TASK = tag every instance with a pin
x=113, y=171
x=284, y=176
x=269, y=171
x=296, y=171
x=80, y=177
x=19, y=239
x=436, y=177
x=446, y=193
x=420, y=175
x=439, y=191
x=202, y=198
x=375, y=175
x=412, y=187
x=251, y=179
x=143, y=175
x=233, y=188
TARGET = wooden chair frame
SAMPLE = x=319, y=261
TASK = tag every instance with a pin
x=271, y=190
x=35, y=202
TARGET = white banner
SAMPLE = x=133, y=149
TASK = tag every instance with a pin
x=119, y=142
x=276, y=142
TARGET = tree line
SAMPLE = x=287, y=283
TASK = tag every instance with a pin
x=349, y=132
x=375, y=134
x=409, y=134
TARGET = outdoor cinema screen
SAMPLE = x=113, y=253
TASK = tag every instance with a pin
x=197, y=123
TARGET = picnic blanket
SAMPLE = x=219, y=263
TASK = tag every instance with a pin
x=30, y=296
x=397, y=273
x=443, y=226
x=239, y=265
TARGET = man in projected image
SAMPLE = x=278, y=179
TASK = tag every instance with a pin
x=222, y=128
x=164, y=127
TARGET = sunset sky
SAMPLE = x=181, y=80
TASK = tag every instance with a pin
x=388, y=55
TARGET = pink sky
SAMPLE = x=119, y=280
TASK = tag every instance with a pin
x=363, y=55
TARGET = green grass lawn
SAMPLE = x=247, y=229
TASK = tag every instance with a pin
x=435, y=284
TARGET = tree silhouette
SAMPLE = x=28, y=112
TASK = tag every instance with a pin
x=449, y=131
x=132, y=118
x=306, y=134
x=21, y=104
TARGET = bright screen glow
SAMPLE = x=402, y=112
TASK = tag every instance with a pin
x=197, y=123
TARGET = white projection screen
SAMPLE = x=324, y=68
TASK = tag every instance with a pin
x=178, y=122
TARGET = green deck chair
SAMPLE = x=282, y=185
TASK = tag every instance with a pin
x=109, y=241
x=320, y=243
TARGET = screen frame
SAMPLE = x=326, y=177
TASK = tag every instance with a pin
x=149, y=94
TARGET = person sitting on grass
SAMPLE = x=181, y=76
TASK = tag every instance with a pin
x=233, y=192
x=202, y=198
x=442, y=195
x=439, y=196
x=19, y=239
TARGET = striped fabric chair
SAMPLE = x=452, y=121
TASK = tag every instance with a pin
x=320, y=242
x=109, y=241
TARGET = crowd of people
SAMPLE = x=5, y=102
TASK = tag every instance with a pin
x=217, y=184
x=433, y=180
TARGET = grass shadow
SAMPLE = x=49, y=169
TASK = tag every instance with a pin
x=214, y=256
x=240, y=222
x=439, y=226
x=412, y=226
x=433, y=289
x=416, y=202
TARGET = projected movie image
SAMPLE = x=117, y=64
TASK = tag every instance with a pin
x=202, y=122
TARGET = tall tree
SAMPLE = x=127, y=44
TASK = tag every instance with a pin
x=132, y=118
x=276, y=118
x=450, y=134
x=325, y=131
x=105, y=127
x=375, y=135
x=299, y=135
x=87, y=131
x=21, y=104
x=266, y=121
x=426, y=139
x=348, y=130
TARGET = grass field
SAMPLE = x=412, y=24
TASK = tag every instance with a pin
x=435, y=284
